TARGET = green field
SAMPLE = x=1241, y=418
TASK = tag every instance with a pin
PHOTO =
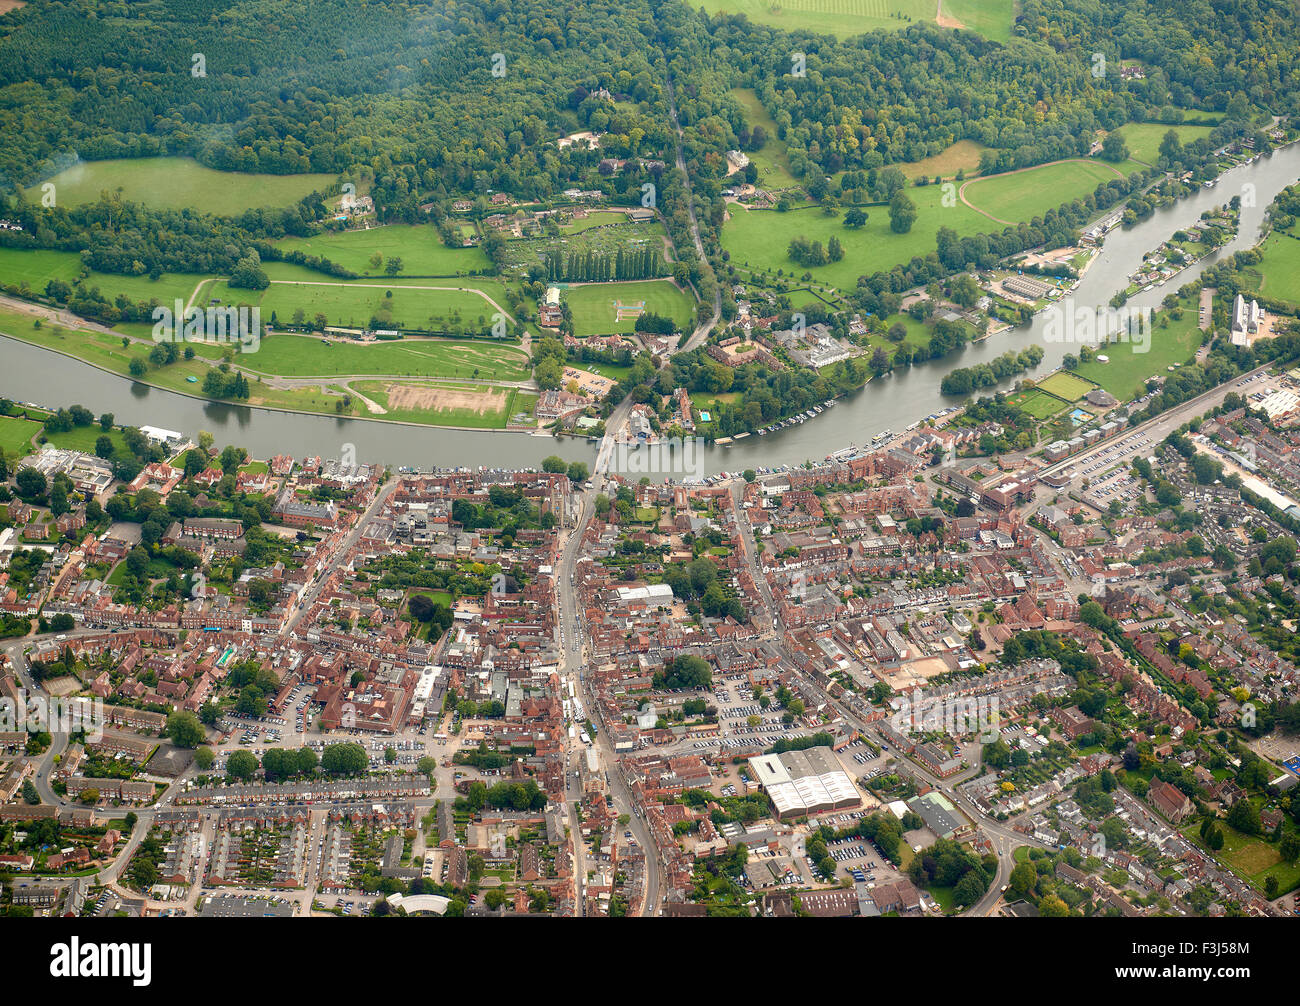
x=1066, y=386
x=286, y=355
x=772, y=162
x=36, y=268
x=593, y=310
x=83, y=438
x=991, y=18
x=1252, y=859
x=1280, y=266
x=844, y=18
x=176, y=183
x=355, y=303
x=758, y=239
x=417, y=245
x=1021, y=195
x=964, y=155
x=1129, y=367
x=593, y=220
x=16, y=435
x=105, y=350
x=1143, y=138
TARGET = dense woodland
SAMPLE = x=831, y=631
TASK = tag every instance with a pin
x=429, y=103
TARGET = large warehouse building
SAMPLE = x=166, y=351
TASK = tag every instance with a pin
x=803, y=783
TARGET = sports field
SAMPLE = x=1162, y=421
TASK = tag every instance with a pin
x=594, y=306
x=1066, y=386
x=843, y=18
x=1021, y=195
x=480, y=406
x=176, y=183
x=417, y=245
x=1128, y=366
x=1280, y=265
x=1039, y=404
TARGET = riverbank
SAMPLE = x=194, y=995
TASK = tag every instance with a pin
x=903, y=397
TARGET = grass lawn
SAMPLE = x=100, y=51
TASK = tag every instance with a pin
x=286, y=355
x=106, y=351
x=1066, y=385
x=844, y=18
x=1019, y=196
x=593, y=310
x=176, y=183
x=16, y=434
x=613, y=371
x=354, y=304
x=417, y=245
x=83, y=438
x=1280, y=266
x=964, y=155
x=991, y=18
x=1128, y=367
x=436, y=596
x=1143, y=138
x=759, y=239
x=1251, y=858
x=772, y=161
x=36, y=268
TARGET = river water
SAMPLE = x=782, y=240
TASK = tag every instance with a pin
x=31, y=374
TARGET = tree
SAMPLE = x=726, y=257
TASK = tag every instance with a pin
x=554, y=464
x=185, y=730
x=855, y=218
x=1171, y=148
x=31, y=483
x=1113, y=148
x=248, y=274
x=1022, y=880
x=1245, y=818
x=902, y=213
x=241, y=765
x=203, y=758
x=344, y=759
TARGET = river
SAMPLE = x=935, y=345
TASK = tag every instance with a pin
x=31, y=374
